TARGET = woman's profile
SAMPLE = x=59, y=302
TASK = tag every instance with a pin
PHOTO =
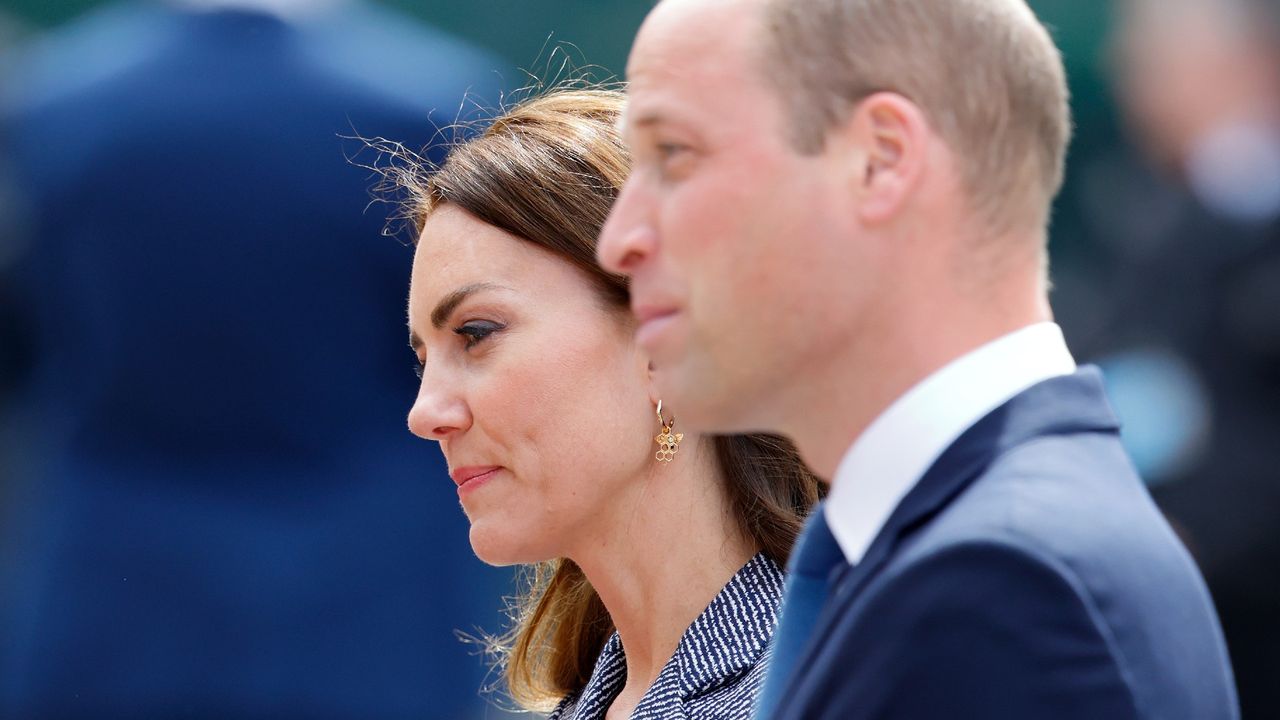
x=655, y=554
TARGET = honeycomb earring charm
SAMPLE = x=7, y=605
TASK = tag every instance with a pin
x=668, y=442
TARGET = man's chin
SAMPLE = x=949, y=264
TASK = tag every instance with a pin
x=694, y=399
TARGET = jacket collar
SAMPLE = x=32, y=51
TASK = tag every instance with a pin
x=729, y=637
x=1063, y=405
x=900, y=445
x=723, y=643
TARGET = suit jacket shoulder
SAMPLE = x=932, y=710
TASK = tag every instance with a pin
x=1028, y=574
x=980, y=628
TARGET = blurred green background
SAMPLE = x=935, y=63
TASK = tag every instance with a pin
x=518, y=30
x=599, y=33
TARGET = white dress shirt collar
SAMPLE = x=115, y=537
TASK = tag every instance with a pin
x=900, y=445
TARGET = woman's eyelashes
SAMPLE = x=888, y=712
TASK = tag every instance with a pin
x=472, y=333
x=476, y=331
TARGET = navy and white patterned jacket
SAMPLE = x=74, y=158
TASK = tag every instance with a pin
x=718, y=668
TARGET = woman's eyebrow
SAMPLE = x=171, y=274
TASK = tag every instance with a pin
x=450, y=302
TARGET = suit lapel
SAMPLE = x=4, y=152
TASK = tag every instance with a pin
x=1067, y=404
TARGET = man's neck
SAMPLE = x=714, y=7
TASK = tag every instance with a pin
x=833, y=407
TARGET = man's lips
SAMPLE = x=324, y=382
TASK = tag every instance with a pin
x=464, y=475
x=646, y=313
x=653, y=320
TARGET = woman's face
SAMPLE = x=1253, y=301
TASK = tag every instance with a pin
x=535, y=391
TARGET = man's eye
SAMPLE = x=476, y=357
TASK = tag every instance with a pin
x=669, y=150
x=673, y=159
x=474, y=332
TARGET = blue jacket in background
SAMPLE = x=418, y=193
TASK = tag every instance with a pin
x=212, y=506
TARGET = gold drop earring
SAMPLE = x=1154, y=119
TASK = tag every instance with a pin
x=668, y=442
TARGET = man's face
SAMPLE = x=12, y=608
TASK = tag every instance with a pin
x=728, y=234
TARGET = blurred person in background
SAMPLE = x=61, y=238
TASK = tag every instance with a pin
x=12, y=353
x=215, y=510
x=1185, y=281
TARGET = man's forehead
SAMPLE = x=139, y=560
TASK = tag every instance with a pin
x=683, y=11
x=679, y=37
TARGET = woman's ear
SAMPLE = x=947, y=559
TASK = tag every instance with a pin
x=645, y=373
x=654, y=395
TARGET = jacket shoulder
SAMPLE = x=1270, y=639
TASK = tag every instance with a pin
x=981, y=628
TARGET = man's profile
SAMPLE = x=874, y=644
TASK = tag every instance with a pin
x=836, y=229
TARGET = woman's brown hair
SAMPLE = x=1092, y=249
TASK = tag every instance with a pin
x=548, y=171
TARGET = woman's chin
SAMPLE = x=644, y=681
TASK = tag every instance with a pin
x=497, y=547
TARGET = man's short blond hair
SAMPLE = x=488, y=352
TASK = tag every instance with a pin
x=985, y=73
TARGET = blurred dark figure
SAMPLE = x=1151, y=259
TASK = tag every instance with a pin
x=12, y=355
x=217, y=510
x=1182, y=306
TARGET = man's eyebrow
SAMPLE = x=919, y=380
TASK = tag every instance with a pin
x=646, y=119
x=644, y=115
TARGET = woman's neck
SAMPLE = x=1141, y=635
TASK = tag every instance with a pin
x=662, y=558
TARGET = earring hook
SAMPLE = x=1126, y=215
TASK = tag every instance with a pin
x=662, y=422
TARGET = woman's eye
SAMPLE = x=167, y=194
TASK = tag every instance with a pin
x=418, y=368
x=474, y=332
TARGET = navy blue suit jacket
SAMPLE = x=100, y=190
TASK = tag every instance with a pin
x=1027, y=575
x=216, y=510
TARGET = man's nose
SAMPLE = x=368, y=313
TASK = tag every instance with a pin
x=628, y=237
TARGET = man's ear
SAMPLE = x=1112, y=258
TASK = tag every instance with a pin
x=886, y=143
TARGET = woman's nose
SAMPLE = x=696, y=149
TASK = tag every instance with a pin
x=438, y=413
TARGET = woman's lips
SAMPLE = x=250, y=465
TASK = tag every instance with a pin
x=470, y=478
